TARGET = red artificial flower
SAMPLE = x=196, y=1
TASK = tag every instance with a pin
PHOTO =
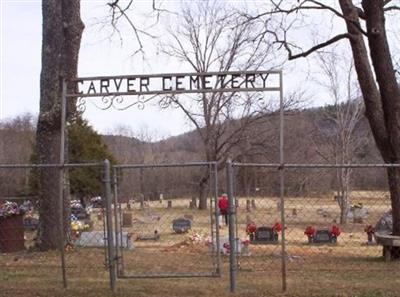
x=310, y=231
x=251, y=228
x=335, y=230
x=369, y=229
x=277, y=226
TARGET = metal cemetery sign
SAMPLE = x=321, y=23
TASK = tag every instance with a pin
x=177, y=83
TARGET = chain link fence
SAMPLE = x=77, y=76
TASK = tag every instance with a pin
x=167, y=214
x=328, y=215
x=31, y=247
x=297, y=227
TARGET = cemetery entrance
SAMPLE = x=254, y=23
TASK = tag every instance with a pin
x=159, y=230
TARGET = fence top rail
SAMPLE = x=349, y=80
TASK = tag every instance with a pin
x=314, y=166
x=68, y=165
x=183, y=164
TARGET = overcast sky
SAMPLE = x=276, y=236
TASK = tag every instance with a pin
x=21, y=57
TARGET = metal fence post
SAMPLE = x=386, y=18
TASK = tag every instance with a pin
x=217, y=239
x=62, y=181
x=232, y=233
x=282, y=180
x=110, y=235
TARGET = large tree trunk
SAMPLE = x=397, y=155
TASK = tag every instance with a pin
x=62, y=31
x=383, y=103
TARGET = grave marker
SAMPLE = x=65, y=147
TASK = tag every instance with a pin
x=181, y=225
x=265, y=235
x=127, y=220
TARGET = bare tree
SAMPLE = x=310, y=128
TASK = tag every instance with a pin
x=339, y=122
x=211, y=38
x=368, y=36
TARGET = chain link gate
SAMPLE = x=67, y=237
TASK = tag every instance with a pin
x=159, y=230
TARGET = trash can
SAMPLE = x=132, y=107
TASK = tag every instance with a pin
x=12, y=233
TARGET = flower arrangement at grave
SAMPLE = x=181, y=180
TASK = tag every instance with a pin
x=314, y=235
x=310, y=232
x=8, y=209
x=335, y=231
x=277, y=227
x=245, y=246
x=251, y=229
x=370, y=230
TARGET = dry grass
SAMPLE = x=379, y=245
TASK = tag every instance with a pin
x=349, y=268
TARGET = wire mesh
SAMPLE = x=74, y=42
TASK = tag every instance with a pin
x=29, y=241
x=162, y=231
x=331, y=219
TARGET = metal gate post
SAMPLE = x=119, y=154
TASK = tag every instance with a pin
x=118, y=234
x=62, y=181
x=232, y=233
x=282, y=180
x=217, y=239
x=110, y=235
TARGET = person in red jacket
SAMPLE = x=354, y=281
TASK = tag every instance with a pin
x=223, y=205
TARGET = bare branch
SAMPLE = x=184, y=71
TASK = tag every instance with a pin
x=389, y=8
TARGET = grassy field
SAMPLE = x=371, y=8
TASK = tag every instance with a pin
x=350, y=268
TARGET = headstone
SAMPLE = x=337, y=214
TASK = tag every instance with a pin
x=181, y=225
x=194, y=202
x=248, y=207
x=294, y=212
x=385, y=223
x=154, y=236
x=253, y=203
x=97, y=239
x=127, y=220
x=264, y=235
x=141, y=199
x=79, y=212
x=169, y=204
x=224, y=246
x=31, y=224
x=324, y=236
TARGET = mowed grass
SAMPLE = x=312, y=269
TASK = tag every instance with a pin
x=350, y=268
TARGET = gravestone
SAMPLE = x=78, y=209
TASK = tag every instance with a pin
x=169, y=204
x=194, y=202
x=248, y=207
x=31, y=224
x=253, y=203
x=181, y=225
x=324, y=236
x=79, y=212
x=127, y=220
x=97, y=239
x=265, y=235
x=154, y=236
